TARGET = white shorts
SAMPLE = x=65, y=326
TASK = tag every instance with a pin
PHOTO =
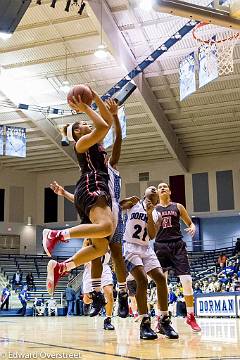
x=136, y=255
x=105, y=280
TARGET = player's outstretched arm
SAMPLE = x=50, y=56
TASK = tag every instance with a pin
x=103, y=109
x=101, y=126
x=59, y=190
x=128, y=203
x=116, y=150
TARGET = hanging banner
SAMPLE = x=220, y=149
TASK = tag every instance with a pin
x=15, y=141
x=1, y=140
x=109, y=139
x=187, y=76
x=208, y=64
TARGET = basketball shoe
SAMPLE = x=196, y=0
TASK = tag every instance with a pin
x=98, y=301
x=164, y=327
x=146, y=332
x=55, y=271
x=50, y=239
x=191, y=321
x=123, y=309
x=108, y=325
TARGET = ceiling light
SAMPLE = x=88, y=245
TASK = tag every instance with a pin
x=5, y=36
x=146, y=5
x=65, y=87
x=101, y=52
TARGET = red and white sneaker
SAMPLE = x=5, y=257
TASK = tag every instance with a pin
x=191, y=321
x=55, y=271
x=50, y=239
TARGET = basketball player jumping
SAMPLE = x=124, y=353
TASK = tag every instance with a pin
x=171, y=249
x=91, y=198
x=115, y=240
x=140, y=259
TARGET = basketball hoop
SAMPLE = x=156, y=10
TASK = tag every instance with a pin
x=218, y=40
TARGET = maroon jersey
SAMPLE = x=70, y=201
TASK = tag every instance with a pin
x=93, y=160
x=170, y=226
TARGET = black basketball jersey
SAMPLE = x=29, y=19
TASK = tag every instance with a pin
x=93, y=160
x=170, y=225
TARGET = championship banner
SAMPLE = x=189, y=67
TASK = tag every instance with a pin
x=109, y=138
x=15, y=141
x=187, y=76
x=208, y=64
x=1, y=140
x=219, y=305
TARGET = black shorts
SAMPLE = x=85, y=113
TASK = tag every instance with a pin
x=173, y=256
x=89, y=189
x=132, y=287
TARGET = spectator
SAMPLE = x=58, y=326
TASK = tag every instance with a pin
x=17, y=280
x=52, y=307
x=172, y=300
x=197, y=289
x=38, y=306
x=23, y=297
x=70, y=297
x=79, y=303
x=30, y=282
x=228, y=270
x=5, y=297
x=237, y=248
x=222, y=260
x=181, y=306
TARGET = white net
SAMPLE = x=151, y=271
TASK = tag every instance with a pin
x=219, y=41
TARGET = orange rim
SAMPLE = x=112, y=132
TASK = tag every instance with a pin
x=211, y=41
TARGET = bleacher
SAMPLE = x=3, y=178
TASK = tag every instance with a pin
x=37, y=264
x=203, y=263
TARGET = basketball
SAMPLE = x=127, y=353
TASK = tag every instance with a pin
x=82, y=90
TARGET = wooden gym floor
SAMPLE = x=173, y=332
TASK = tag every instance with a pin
x=84, y=338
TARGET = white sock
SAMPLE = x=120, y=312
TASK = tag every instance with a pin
x=66, y=234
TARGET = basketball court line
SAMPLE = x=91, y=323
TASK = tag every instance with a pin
x=6, y=321
x=229, y=357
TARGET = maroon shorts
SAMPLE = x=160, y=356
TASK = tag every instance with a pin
x=89, y=189
x=173, y=256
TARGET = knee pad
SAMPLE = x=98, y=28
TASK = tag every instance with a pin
x=186, y=281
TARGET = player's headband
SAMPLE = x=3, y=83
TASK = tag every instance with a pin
x=70, y=133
